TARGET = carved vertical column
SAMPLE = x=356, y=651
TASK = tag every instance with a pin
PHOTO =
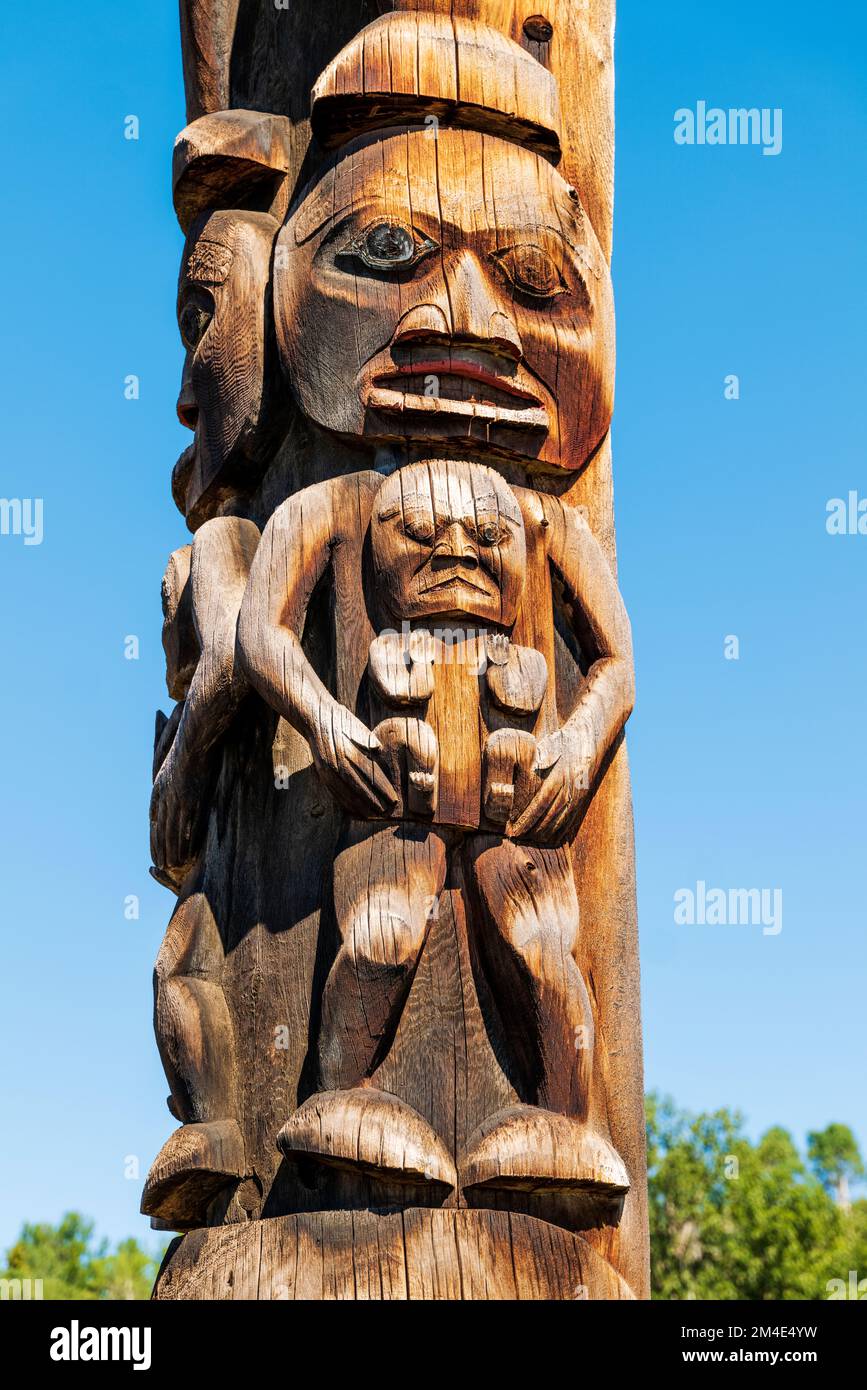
x=397, y=1003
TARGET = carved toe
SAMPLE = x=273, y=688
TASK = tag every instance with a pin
x=368, y=1130
x=190, y=1169
x=526, y=1149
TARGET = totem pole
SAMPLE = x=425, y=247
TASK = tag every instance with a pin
x=397, y=1002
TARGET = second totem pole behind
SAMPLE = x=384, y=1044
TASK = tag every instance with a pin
x=397, y=1002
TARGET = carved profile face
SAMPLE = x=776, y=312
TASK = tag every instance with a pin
x=222, y=316
x=448, y=541
x=448, y=289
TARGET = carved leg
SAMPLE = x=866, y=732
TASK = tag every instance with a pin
x=386, y=884
x=387, y=880
x=529, y=917
x=191, y=1018
x=197, y=1046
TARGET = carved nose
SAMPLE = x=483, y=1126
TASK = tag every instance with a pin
x=188, y=410
x=453, y=547
x=478, y=310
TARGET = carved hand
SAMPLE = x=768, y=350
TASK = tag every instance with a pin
x=565, y=761
x=344, y=751
x=178, y=806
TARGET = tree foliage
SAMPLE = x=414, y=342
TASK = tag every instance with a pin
x=835, y=1159
x=730, y=1219
x=72, y=1265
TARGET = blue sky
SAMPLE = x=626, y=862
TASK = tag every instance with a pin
x=747, y=773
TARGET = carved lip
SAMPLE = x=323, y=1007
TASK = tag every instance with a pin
x=451, y=581
x=400, y=402
x=467, y=371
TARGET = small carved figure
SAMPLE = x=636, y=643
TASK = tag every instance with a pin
x=446, y=543
x=202, y=594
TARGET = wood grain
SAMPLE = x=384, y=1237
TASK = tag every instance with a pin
x=405, y=67
x=436, y=1256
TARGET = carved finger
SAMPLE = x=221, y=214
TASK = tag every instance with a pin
x=370, y=782
x=528, y=823
x=560, y=820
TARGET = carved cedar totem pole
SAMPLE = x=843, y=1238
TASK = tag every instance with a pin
x=397, y=1002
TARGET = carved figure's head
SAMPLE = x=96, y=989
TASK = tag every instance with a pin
x=449, y=292
x=223, y=316
x=448, y=541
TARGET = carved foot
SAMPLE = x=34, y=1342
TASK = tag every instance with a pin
x=368, y=1130
x=193, y=1165
x=526, y=1149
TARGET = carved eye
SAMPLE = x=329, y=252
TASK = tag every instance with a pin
x=193, y=322
x=490, y=531
x=532, y=271
x=420, y=528
x=389, y=245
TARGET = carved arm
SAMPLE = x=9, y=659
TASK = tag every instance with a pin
x=222, y=554
x=572, y=757
x=294, y=554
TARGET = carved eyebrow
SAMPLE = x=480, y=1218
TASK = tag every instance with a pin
x=387, y=513
x=489, y=504
x=209, y=263
x=313, y=217
x=581, y=251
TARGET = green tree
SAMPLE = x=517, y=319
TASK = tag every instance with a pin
x=836, y=1160
x=72, y=1265
x=734, y=1220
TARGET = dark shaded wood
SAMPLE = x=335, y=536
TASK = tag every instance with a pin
x=232, y=159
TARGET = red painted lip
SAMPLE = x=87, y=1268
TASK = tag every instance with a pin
x=450, y=367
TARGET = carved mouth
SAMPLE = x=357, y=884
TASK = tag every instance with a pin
x=481, y=394
x=453, y=581
x=457, y=380
x=399, y=402
x=181, y=474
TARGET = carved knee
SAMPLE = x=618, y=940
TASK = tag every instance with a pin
x=383, y=939
x=191, y=945
x=539, y=940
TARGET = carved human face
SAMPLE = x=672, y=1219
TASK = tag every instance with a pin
x=448, y=541
x=222, y=303
x=448, y=290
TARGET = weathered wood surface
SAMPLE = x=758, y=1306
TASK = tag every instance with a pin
x=240, y=53
x=414, y=1255
x=393, y=797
